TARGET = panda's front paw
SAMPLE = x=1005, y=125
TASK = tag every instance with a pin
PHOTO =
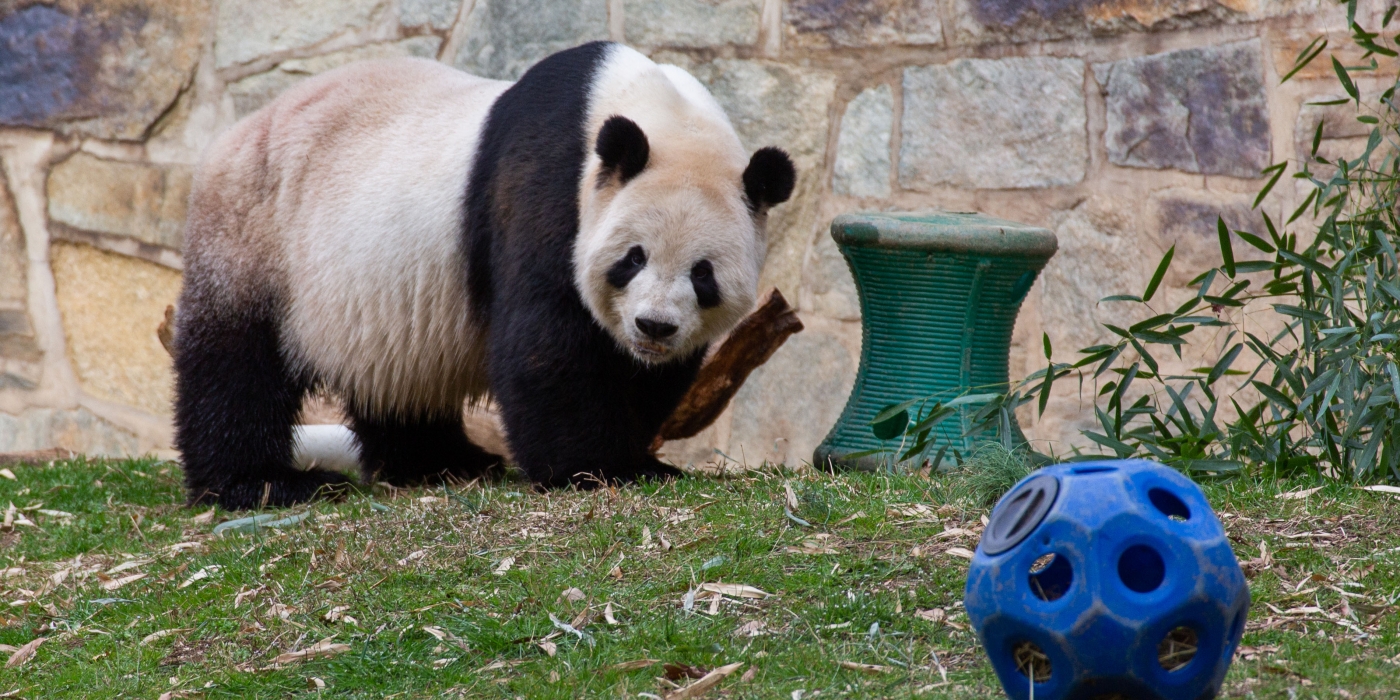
x=656, y=470
x=283, y=487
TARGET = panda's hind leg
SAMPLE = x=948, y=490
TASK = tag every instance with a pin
x=236, y=401
x=417, y=450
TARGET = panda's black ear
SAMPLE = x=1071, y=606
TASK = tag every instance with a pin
x=623, y=148
x=769, y=179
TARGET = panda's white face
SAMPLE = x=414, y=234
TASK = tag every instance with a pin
x=671, y=211
x=671, y=268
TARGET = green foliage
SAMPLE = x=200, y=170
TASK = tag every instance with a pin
x=1320, y=392
x=989, y=472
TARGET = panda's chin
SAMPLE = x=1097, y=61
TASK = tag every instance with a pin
x=649, y=352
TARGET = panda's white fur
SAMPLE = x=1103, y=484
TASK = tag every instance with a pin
x=365, y=240
x=334, y=217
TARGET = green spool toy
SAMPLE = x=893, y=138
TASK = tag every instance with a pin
x=939, y=294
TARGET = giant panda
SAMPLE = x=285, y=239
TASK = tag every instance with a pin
x=412, y=237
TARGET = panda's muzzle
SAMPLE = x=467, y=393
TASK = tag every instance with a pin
x=653, y=345
x=656, y=330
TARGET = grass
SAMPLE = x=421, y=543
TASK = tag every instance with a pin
x=414, y=583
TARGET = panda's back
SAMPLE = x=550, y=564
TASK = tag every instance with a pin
x=341, y=202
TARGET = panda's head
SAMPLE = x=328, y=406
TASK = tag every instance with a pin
x=672, y=235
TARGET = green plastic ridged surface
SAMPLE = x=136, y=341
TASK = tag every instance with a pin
x=939, y=294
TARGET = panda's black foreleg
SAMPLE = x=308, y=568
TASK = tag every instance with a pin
x=577, y=410
x=236, y=400
x=407, y=452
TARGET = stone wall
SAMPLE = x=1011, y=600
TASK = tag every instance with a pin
x=1123, y=125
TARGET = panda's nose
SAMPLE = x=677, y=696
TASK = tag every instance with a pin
x=656, y=330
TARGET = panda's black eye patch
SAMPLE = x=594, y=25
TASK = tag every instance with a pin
x=702, y=277
x=625, y=269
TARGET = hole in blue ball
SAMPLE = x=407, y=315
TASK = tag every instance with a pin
x=1032, y=662
x=1170, y=506
x=1141, y=568
x=1093, y=470
x=1177, y=648
x=1051, y=576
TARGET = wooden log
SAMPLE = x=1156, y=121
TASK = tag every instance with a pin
x=166, y=330
x=746, y=347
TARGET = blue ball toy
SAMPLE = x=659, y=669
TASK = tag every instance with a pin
x=1107, y=580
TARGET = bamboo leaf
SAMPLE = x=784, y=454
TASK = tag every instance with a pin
x=1274, y=395
x=1118, y=447
x=1108, y=361
x=1159, y=274
x=1219, y=466
x=1255, y=241
x=1300, y=312
x=1345, y=80
x=1224, y=364
x=1227, y=252
x=1153, y=322
x=1158, y=338
x=1269, y=186
x=893, y=410
x=1309, y=263
x=1310, y=52
x=936, y=416
x=1044, y=399
x=1302, y=207
x=890, y=427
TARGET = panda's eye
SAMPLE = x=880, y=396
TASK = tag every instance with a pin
x=702, y=278
x=625, y=269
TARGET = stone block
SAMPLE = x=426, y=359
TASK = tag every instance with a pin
x=863, y=146
x=691, y=23
x=771, y=104
x=107, y=69
x=14, y=262
x=985, y=21
x=789, y=404
x=254, y=91
x=1187, y=219
x=251, y=29
x=994, y=124
x=1202, y=110
x=77, y=430
x=110, y=306
x=1286, y=45
x=19, y=351
x=1342, y=135
x=437, y=14
x=137, y=200
x=1102, y=252
x=862, y=23
x=505, y=37
x=828, y=288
